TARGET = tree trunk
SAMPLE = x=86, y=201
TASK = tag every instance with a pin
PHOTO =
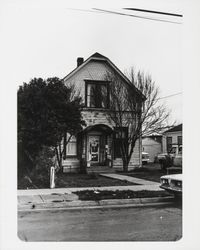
x=83, y=166
x=125, y=167
x=125, y=164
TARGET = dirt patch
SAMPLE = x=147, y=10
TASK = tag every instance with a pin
x=88, y=195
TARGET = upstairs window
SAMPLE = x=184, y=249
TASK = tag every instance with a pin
x=97, y=94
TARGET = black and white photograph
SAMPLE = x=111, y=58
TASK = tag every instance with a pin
x=98, y=123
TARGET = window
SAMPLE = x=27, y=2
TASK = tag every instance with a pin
x=179, y=139
x=97, y=94
x=71, y=147
x=169, y=143
x=120, y=140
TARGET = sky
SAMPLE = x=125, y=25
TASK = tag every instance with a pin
x=44, y=39
x=41, y=38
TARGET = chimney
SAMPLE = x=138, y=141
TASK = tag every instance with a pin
x=80, y=60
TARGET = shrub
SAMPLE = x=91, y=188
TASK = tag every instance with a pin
x=39, y=177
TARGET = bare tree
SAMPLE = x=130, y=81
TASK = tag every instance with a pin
x=134, y=110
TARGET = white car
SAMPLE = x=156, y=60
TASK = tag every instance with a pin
x=172, y=183
x=173, y=158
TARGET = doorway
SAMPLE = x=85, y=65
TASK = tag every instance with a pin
x=93, y=148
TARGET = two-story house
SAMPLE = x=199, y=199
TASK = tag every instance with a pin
x=98, y=143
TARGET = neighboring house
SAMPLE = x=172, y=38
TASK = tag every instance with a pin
x=98, y=143
x=172, y=137
x=152, y=145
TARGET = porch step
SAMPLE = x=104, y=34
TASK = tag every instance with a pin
x=72, y=162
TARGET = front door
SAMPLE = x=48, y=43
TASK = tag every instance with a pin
x=93, y=150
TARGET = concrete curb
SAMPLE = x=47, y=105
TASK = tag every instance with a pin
x=89, y=204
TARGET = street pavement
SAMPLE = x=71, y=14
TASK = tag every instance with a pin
x=150, y=223
x=58, y=215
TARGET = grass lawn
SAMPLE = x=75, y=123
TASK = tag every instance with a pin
x=68, y=180
x=151, y=172
x=89, y=180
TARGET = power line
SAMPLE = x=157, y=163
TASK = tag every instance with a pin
x=95, y=10
x=124, y=14
x=169, y=95
x=155, y=12
x=84, y=10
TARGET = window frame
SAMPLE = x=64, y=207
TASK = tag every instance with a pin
x=169, y=145
x=71, y=141
x=118, y=140
x=179, y=138
x=97, y=82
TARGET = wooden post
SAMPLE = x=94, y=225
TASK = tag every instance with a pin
x=52, y=177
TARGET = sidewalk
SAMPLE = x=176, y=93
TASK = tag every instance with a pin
x=64, y=197
x=130, y=179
